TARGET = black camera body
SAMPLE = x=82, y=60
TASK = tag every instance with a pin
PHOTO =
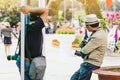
x=79, y=53
x=12, y=57
x=83, y=43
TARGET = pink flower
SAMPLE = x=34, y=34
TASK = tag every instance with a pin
x=107, y=15
x=112, y=16
x=113, y=23
x=118, y=17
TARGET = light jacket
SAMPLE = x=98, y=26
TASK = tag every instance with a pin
x=96, y=47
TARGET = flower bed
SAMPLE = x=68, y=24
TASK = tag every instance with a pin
x=65, y=30
x=55, y=43
x=113, y=18
x=76, y=42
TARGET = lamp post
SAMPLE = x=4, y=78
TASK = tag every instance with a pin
x=23, y=3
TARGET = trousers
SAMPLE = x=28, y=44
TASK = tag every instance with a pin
x=84, y=72
x=27, y=66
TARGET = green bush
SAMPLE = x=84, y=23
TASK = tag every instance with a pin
x=65, y=32
x=118, y=42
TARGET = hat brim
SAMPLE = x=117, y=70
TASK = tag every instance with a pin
x=89, y=23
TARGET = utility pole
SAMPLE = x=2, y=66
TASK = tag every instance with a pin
x=23, y=3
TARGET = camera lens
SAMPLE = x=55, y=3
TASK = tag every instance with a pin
x=9, y=57
x=12, y=57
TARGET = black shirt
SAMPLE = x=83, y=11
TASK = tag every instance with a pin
x=34, y=39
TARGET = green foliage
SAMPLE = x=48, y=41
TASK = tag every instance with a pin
x=103, y=23
x=65, y=32
x=118, y=25
x=10, y=11
x=78, y=39
x=82, y=1
x=77, y=42
x=118, y=42
x=92, y=7
x=60, y=17
x=54, y=6
x=69, y=14
x=80, y=19
x=34, y=3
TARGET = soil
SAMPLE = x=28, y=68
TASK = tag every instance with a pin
x=113, y=69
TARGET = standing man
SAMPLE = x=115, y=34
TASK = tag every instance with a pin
x=93, y=52
x=34, y=36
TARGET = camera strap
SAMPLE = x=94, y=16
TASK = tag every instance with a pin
x=91, y=35
x=86, y=35
x=18, y=45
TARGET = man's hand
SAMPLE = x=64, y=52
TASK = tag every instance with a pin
x=25, y=9
x=43, y=12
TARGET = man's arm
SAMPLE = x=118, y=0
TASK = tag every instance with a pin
x=94, y=43
x=42, y=11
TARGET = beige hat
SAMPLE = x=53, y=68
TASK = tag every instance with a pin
x=91, y=19
x=7, y=24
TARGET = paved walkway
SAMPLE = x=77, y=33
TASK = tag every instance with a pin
x=60, y=63
x=8, y=69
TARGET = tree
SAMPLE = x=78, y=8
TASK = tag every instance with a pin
x=92, y=6
x=10, y=11
x=54, y=6
x=82, y=1
x=59, y=5
x=117, y=5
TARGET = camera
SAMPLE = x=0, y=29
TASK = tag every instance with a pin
x=79, y=53
x=83, y=43
x=12, y=57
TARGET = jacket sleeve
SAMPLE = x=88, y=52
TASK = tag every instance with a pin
x=94, y=43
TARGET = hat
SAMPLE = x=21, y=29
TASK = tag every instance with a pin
x=7, y=24
x=91, y=19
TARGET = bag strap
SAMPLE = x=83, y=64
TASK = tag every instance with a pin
x=18, y=44
x=14, y=35
x=86, y=35
x=17, y=50
x=91, y=35
x=26, y=44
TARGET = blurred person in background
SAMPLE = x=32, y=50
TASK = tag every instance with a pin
x=7, y=33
